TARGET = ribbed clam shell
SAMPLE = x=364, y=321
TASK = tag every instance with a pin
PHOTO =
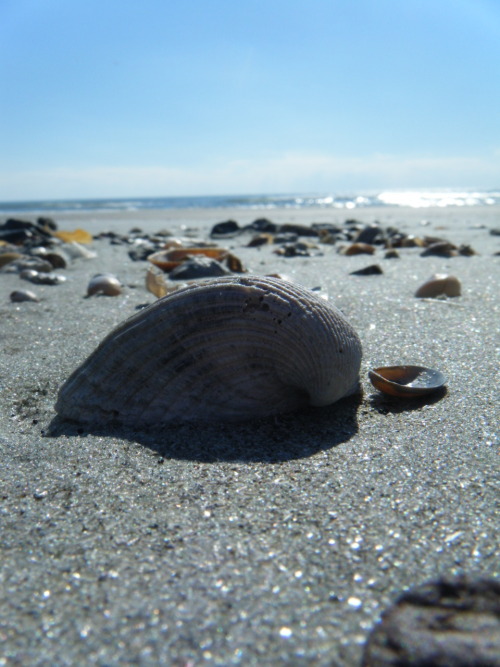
x=228, y=348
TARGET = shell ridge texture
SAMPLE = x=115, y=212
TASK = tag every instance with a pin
x=228, y=348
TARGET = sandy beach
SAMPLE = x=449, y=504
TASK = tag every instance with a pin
x=274, y=542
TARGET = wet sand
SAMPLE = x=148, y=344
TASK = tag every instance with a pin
x=279, y=541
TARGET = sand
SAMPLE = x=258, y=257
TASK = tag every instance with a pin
x=272, y=542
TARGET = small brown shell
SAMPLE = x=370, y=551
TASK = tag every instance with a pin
x=104, y=283
x=360, y=249
x=229, y=348
x=441, y=249
x=8, y=257
x=438, y=284
x=406, y=381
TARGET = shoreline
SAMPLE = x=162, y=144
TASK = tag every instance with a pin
x=261, y=543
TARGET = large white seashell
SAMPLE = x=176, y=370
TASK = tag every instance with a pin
x=228, y=348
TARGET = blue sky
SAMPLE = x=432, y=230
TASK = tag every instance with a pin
x=120, y=98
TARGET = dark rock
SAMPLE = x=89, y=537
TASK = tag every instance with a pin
x=285, y=238
x=495, y=231
x=440, y=249
x=141, y=253
x=14, y=223
x=263, y=225
x=15, y=236
x=447, y=623
x=300, y=230
x=226, y=229
x=395, y=239
x=466, y=250
x=106, y=235
x=371, y=270
x=20, y=231
x=391, y=254
x=198, y=267
x=370, y=234
x=56, y=260
x=260, y=239
x=48, y=223
x=326, y=227
x=23, y=295
x=294, y=250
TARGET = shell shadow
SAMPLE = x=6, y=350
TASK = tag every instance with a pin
x=272, y=440
x=384, y=403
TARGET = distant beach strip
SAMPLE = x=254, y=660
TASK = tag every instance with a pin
x=389, y=198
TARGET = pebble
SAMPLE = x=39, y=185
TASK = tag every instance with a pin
x=448, y=623
x=23, y=295
x=198, y=267
x=371, y=270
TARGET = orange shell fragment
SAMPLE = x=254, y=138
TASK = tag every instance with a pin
x=78, y=235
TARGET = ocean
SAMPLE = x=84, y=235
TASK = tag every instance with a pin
x=387, y=198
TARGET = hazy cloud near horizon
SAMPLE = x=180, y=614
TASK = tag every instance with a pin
x=283, y=174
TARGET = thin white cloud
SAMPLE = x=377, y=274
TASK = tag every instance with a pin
x=290, y=172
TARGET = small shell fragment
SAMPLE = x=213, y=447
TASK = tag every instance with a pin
x=406, y=381
x=155, y=283
x=78, y=235
x=8, y=257
x=438, y=284
x=104, y=283
x=77, y=251
x=359, y=249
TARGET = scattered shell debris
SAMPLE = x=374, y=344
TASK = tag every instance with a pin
x=37, y=250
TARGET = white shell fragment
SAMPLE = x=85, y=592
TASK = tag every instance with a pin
x=76, y=250
x=104, y=283
x=439, y=284
x=228, y=348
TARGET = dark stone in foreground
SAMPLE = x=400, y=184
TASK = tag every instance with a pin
x=440, y=624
